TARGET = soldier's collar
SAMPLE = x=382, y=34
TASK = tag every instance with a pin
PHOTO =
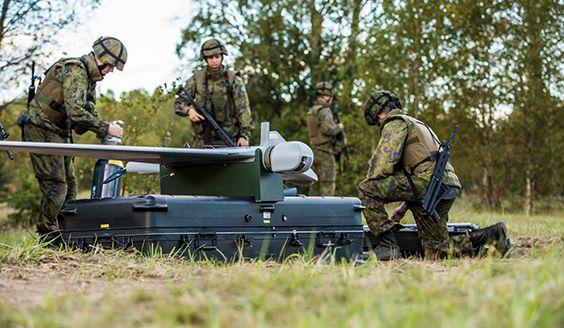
x=215, y=75
x=89, y=61
x=396, y=111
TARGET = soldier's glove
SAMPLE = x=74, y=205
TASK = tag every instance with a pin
x=341, y=126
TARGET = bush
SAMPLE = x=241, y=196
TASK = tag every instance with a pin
x=25, y=201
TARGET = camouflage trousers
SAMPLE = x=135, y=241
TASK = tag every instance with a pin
x=197, y=140
x=55, y=176
x=325, y=167
x=375, y=193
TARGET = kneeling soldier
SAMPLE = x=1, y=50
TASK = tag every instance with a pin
x=400, y=170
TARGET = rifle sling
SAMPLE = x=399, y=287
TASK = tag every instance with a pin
x=432, y=158
x=411, y=184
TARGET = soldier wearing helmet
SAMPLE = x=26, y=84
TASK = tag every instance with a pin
x=219, y=91
x=65, y=101
x=399, y=171
x=323, y=131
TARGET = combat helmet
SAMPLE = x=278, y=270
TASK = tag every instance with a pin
x=377, y=102
x=110, y=51
x=212, y=47
x=323, y=88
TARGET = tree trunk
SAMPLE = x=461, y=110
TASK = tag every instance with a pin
x=3, y=15
x=488, y=190
x=315, y=41
x=529, y=195
x=351, y=52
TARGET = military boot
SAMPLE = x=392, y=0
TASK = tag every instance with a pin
x=387, y=247
x=494, y=235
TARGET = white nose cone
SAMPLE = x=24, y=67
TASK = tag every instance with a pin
x=290, y=157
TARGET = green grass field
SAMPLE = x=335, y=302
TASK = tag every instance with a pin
x=40, y=287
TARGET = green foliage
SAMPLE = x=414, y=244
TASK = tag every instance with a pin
x=149, y=121
x=22, y=193
x=5, y=178
x=25, y=201
x=491, y=67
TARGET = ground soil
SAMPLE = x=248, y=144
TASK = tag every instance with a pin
x=57, y=274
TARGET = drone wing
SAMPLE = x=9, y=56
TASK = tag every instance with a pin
x=157, y=155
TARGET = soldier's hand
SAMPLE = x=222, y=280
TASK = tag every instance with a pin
x=242, y=142
x=399, y=212
x=194, y=116
x=341, y=126
x=115, y=130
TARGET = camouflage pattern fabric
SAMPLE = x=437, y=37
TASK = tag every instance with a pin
x=110, y=51
x=324, y=167
x=75, y=79
x=324, y=154
x=237, y=121
x=388, y=152
x=326, y=126
x=385, y=184
x=55, y=176
x=78, y=90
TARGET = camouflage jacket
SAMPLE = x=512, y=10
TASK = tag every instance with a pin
x=224, y=96
x=66, y=98
x=386, y=157
x=322, y=128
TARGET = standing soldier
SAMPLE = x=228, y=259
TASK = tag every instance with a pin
x=323, y=131
x=400, y=170
x=65, y=101
x=220, y=92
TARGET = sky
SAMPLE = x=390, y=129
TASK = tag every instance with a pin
x=150, y=31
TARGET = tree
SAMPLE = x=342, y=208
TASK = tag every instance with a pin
x=535, y=34
x=28, y=30
x=284, y=48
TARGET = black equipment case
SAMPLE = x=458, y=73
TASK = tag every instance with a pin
x=220, y=228
x=409, y=241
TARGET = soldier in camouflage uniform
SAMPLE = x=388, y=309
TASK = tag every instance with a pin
x=323, y=131
x=64, y=102
x=219, y=91
x=407, y=151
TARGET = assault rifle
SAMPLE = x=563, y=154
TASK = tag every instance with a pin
x=31, y=88
x=3, y=136
x=437, y=190
x=218, y=129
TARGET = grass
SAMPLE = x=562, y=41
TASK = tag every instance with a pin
x=40, y=287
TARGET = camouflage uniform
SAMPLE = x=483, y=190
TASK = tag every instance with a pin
x=323, y=130
x=64, y=101
x=224, y=96
x=386, y=182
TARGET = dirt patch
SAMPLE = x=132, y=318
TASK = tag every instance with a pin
x=93, y=275
x=60, y=272
x=30, y=285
